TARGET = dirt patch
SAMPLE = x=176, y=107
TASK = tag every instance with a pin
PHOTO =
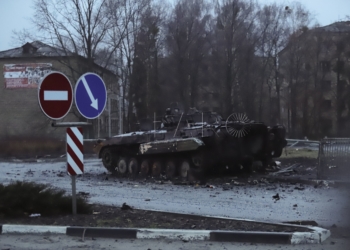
x=108, y=216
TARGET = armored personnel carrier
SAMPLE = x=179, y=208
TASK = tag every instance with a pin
x=202, y=141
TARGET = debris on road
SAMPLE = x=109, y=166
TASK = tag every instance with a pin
x=263, y=180
x=210, y=186
x=299, y=188
x=289, y=169
x=276, y=197
x=126, y=207
x=61, y=174
x=226, y=187
x=254, y=182
x=83, y=193
x=236, y=183
x=34, y=215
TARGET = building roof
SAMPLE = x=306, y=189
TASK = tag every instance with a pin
x=34, y=49
x=40, y=49
x=335, y=27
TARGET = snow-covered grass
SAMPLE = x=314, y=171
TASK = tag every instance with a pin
x=299, y=152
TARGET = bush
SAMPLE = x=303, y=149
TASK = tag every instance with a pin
x=25, y=198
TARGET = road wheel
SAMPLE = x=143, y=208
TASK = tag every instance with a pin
x=170, y=169
x=198, y=160
x=144, y=168
x=133, y=167
x=122, y=166
x=156, y=168
x=184, y=168
x=247, y=165
x=109, y=160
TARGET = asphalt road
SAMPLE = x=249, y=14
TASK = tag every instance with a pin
x=326, y=206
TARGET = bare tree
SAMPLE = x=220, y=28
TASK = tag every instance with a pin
x=294, y=58
x=101, y=31
x=273, y=35
x=78, y=28
x=145, y=76
x=185, y=39
x=126, y=16
x=235, y=23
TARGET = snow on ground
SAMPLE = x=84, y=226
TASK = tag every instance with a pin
x=326, y=206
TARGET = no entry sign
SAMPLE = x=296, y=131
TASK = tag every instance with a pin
x=55, y=95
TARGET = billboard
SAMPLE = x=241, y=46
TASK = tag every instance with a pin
x=25, y=75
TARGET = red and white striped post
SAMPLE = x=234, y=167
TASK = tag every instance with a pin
x=75, y=158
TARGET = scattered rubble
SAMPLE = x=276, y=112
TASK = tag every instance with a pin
x=290, y=169
x=83, y=193
x=126, y=207
x=34, y=215
x=276, y=197
x=236, y=183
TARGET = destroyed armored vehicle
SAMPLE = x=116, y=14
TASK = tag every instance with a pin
x=201, y=141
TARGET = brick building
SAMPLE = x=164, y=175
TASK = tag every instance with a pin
x=23, y=68
x=316, y=72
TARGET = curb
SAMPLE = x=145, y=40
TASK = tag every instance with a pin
x=316, y=236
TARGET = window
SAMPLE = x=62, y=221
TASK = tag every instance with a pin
x=326, y=85
x=326, y=126
x=206, y=96
x=326, y=105
x=216, y=96
x=217, y=109
x=340, y=66
x=325, y=66
x=342, y=86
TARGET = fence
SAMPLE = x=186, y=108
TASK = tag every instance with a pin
x=296, y=143
x=334, y=159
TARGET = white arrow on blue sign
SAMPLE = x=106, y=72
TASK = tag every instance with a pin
x=90, y=95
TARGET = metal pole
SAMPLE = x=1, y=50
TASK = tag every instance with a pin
x=109, y=117
x=98, y=127
x=178, y=124
x=202, y=125
x=121, y=109
x=74, y=197
x=154, y=126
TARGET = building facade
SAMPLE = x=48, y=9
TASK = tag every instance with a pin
x=315, y=67
x=22, y=70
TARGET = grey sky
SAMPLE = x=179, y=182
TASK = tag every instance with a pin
x=16, y=14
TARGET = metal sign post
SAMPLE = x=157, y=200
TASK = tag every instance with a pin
x=74, y=195
x=55, y=97
x=75, y=161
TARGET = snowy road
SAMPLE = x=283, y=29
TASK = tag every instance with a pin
x=326, y=206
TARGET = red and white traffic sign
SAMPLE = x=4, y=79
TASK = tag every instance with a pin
x=75, y=155
x=55, y=95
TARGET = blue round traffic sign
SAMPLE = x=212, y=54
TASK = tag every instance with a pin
x=90, y=95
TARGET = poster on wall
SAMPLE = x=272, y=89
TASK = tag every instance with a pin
x=25, y=75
